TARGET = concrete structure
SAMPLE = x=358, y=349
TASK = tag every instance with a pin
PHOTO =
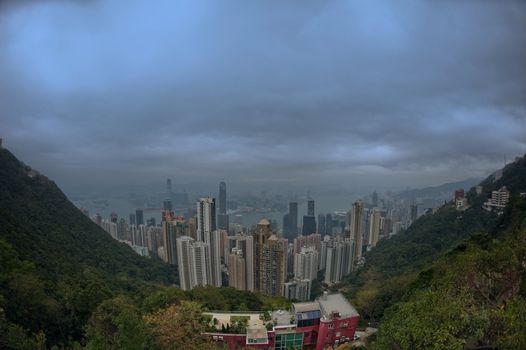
x=312, y=240
x=306, y=263
x=498, y=201
x=298, y=289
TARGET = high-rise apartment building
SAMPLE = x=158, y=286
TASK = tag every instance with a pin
x=243, y=245
x=340, y=260
x=237, y=269
x=312, y=240
x=206, y=217
x=306, y=263
x=270, y=260
x=167, y=204
x=193, y=263
x=139, y=216
x=310, y=207
x=374, y=227
x=356, y=228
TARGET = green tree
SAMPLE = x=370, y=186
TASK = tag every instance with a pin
x=117, y=324
x=180, y=327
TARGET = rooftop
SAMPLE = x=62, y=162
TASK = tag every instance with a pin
x=336, y=303
x=307, y=306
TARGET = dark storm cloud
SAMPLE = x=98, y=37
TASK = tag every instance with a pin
x=402, y=93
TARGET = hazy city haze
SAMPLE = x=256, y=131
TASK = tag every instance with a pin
x=359, y=93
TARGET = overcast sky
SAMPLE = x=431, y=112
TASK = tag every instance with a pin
x=356, y=93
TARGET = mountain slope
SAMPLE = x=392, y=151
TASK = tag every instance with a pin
x=57, y=265
x=394, y=264
x=473, y=297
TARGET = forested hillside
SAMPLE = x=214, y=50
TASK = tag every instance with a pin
x=431, y=273
x=65, y=283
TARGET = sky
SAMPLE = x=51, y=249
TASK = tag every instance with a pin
x=356, y=94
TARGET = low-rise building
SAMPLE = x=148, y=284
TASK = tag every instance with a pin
x=330, y=320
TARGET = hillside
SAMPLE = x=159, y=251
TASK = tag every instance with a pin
x=402, y=268
x=56, y=265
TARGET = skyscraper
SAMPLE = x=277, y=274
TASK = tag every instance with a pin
x=193, y=263
x=309, y=225
x=213, y=240
x=356, y=228
x=222, y=217
x=374, y=227
x=206, y=217
x=306, y=263
x=310, y=207
x=236, y=269
x=271, y=257
x=139, y=216
x=242, y=245
x=340, y=260
x=167, y=204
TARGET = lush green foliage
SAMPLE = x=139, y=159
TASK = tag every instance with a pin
x=468, y=297
x=393, y=267
x=56, y=265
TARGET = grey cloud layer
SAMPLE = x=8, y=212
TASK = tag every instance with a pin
x=399, y=92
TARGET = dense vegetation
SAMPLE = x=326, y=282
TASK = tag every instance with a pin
x=453, y=280
x=65, y=282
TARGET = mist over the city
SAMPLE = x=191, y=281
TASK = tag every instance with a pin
x=101, y=95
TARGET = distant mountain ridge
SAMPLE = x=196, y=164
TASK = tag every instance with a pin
x=440, y=190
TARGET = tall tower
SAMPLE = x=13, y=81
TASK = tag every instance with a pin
x=374, y=227
x=310, y=207
x=167, y=204
x=271, y=260
x=184, y=261
x=243, y=246
x=356, y=229
x=193, y=263
x=139, y=216
x=236, y=269
x=222, y=217
x=306, y=264
x=206, y=217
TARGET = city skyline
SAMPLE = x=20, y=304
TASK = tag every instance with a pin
x=299, y=94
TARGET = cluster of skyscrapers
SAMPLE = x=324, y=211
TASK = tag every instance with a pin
x=207, y=251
